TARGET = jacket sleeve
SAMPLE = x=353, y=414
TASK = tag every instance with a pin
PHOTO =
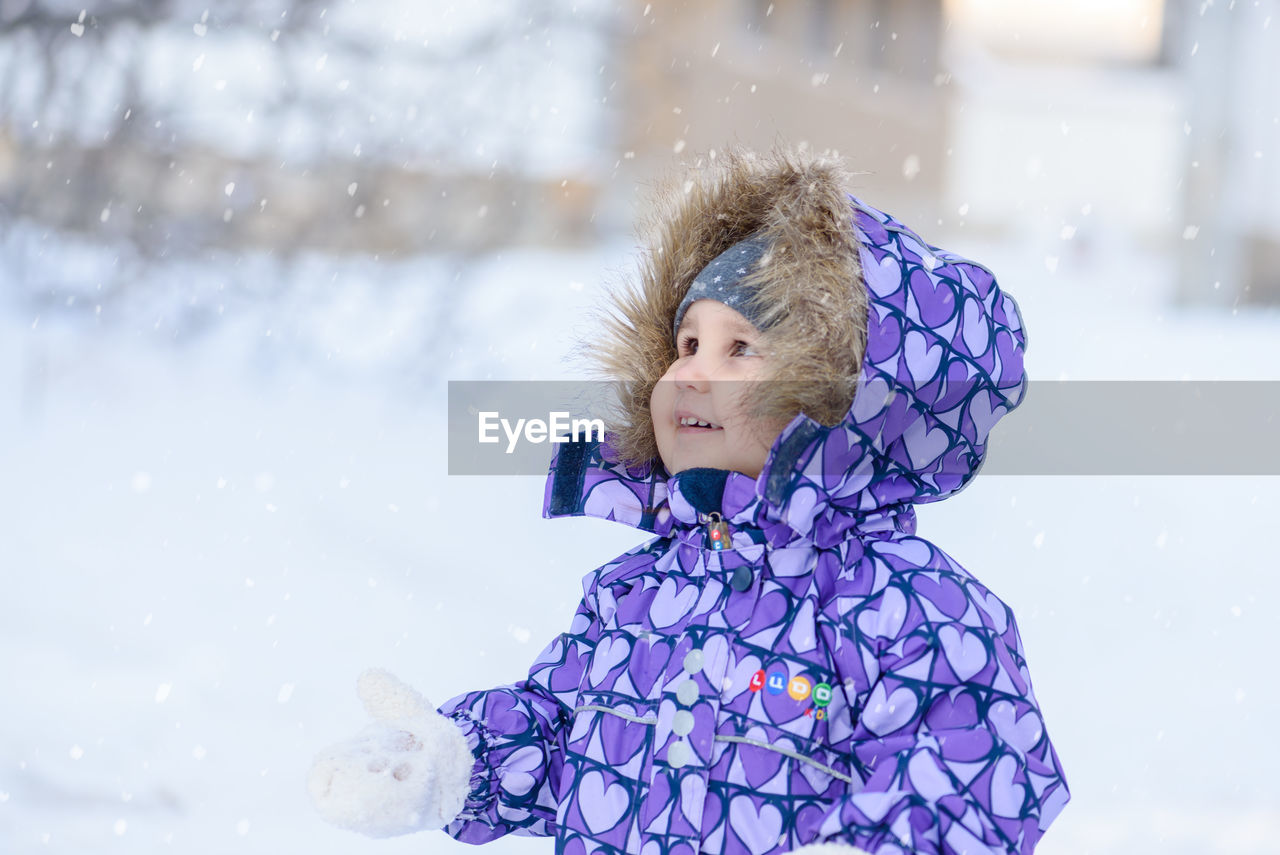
x=948, y=741
x=517, y=734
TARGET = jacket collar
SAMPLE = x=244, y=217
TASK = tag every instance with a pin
x=586, y=481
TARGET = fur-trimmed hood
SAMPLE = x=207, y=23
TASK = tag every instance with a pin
x=809, y=296
x=905, y=355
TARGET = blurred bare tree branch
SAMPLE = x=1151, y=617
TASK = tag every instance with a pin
x=351, y=136
x=98, y=138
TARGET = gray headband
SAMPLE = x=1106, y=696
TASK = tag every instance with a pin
x=721, y=280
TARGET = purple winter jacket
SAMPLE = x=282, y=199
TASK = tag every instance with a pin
x=829, y=676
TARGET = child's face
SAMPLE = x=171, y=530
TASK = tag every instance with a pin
x=717, y=358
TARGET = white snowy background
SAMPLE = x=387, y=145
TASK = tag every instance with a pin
x=207, y=535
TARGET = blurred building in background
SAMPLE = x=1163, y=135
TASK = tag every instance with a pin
x=1229, y=178
x=862, y=77
x=166, y=128
x=1112, y=127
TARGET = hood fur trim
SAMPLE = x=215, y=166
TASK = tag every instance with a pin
x=811, y=296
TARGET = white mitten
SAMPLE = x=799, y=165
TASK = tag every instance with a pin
x=828, y=849
x=408, y=771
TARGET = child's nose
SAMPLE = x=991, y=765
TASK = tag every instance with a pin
x=692, y=373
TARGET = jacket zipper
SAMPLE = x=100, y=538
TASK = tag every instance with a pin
x=717, y=540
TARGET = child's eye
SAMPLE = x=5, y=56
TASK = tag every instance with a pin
x=688, y=345
x=742, y=348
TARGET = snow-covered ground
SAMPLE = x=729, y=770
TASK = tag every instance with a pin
x=205, y=540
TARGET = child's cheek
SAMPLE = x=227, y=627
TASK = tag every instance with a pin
x=661, y=410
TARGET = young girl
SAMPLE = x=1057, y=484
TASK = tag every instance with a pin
x=785, y=666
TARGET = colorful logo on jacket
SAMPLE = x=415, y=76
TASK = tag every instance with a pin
x=775, y=682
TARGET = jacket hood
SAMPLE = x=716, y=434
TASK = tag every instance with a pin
x=943, y=361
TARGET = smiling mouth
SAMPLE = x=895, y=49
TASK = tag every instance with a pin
x=696, y=423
